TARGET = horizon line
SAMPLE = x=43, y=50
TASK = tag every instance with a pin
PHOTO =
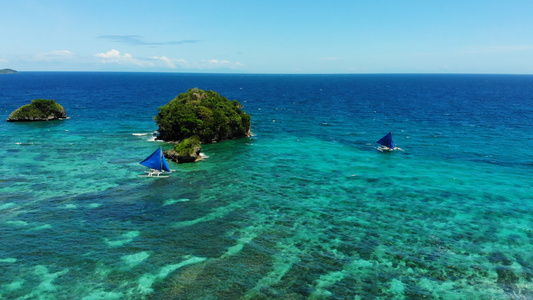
x=252, y=73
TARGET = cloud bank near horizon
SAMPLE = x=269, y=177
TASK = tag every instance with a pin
x=137, y=40
x=114, y=56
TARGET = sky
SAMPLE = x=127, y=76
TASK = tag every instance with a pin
x=268, y=37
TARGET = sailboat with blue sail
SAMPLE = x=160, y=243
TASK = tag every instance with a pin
x=157, y=164
x=387, y=143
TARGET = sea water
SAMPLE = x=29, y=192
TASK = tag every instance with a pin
x=306, y=208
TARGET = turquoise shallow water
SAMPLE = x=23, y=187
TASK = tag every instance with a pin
x=305, y=209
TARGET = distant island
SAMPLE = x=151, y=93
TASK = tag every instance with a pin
x=38, y=110
x=199, y=116
x=7, y=71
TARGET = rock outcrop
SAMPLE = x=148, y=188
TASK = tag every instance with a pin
x=186, y=151
x=38, y=110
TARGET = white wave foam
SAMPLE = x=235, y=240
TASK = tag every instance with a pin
x=152, y=135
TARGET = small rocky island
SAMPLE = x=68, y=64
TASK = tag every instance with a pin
x=197, y=117
x=38, y=110
x=188, y=150
x=7, y=71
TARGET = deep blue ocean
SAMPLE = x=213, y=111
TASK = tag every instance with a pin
x=306, y=208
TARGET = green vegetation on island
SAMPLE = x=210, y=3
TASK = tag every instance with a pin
x=205, y=114
x=7, y=71
x=187, y=146
x=38, y=110
x=199, y=116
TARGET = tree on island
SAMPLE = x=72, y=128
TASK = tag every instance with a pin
x=204, y=115
x=38, y=110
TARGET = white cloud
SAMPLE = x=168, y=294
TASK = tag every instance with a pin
x=198, y=65
x=114, y=56
x=52, y=56
x=60, y=53
x=215, y=63
x=3, y=60
x=109, y=54
x=171, y=63
x=218, y=62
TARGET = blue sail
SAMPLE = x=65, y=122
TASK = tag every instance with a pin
x=156, y=161
x=387, y=141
